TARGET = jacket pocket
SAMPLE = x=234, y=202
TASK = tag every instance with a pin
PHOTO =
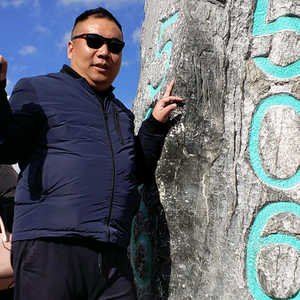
x=118, y=127
x=30, y=185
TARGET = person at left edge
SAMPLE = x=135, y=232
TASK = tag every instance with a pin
x=8, y=184
x=80, y=168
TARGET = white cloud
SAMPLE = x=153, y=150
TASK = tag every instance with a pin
x=37, y=7
x=8, y=86
x=136, y=36
x=16, y=167
x=3, y=3
x=43, y=30
x=16, y=3
x=125, y=63
x=107, y=3
x=64, y=41
x=36, y=4
x=27, y=50
x=18, y=68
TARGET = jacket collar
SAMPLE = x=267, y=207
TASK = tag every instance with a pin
x=68, y=70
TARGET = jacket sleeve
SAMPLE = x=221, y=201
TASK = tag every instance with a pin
x=149, y=144
x=19, y=121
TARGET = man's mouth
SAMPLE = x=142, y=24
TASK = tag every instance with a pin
x=101, y=66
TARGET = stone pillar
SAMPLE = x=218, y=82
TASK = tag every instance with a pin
x=222, y=219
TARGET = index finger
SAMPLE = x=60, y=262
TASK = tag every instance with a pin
x=169, y=89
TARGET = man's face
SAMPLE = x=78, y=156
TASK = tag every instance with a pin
x=98, y=66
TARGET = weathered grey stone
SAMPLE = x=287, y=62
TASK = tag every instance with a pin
x=222, y=221
x=285, y=223
x=279, y=8
x=280, y=143
x=278, y=268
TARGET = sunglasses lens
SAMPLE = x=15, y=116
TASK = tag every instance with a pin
x=94, y=41
x=115, y=46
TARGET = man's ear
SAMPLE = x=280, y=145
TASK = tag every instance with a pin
x=70, y=49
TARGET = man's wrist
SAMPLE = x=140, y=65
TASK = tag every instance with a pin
x=155, y=126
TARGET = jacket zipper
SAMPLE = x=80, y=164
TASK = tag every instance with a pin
x=113, y=177
x=114, y=167
x=118, y=127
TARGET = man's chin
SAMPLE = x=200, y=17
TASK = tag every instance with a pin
x=101, y=86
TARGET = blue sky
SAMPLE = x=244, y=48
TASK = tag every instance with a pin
x=35, y=33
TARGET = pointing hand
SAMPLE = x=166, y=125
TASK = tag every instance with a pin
x=165, y=105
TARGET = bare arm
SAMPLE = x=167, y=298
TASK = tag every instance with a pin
x=3, y=68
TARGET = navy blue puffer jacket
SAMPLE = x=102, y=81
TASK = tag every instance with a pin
x=80, y=161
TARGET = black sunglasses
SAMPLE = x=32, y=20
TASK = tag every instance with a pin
x=95, y=41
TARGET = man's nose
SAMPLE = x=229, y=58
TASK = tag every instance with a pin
x=103, y=50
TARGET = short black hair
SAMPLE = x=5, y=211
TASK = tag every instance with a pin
x=100, y=13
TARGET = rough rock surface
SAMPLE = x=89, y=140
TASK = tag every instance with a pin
x=222, y=219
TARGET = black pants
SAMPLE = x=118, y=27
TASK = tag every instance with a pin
x=71, y=269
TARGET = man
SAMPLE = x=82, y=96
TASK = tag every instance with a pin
x=80, y=167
